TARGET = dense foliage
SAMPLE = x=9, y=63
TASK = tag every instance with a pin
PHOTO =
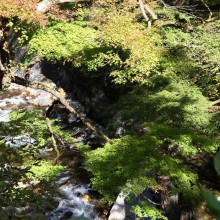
x=168, y=120
x=23, y=9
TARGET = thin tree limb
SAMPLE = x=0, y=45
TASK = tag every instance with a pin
x=154, y=203
x=150, y=11
x=164, y=4
x=143, y=10
x=214, y=109
x=53, y=138
x=215, y=102
x=210, y=12
x=2, y=68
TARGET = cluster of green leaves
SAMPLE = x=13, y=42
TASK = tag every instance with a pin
x=64, y=42
x=131, y=163
x=31, y=123
x=169, y=100
x=13, y=175
x=138, y=59
x=178, y=129
x=43, y=170
x=177, y=122
x=23, y=29
x=197, y=52
x=128, y=57
x=146, y=210
x=10, y=176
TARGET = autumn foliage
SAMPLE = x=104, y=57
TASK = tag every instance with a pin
x=23, y=9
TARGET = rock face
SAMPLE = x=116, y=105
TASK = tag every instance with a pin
x=118, y=210
x=21, y=97
x=36, y=97
x=6, y=81
x=35, y=74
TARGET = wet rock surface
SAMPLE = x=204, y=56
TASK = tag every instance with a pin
x=18, y=97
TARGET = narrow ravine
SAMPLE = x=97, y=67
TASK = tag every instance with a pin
x=74, y=196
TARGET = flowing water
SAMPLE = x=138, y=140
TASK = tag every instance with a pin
x=74, y=198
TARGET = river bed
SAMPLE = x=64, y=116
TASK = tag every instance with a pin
x=75, y=199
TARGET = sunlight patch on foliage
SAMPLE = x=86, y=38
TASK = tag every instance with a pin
x=43, y=170
x=128, y=164
x=64, y=41
x=146, y=210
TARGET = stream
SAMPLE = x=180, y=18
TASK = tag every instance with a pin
x=74, y=198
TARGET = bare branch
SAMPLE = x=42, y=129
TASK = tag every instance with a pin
x=150, y=11
x=210, y=12
x=144, y=13
x=164, y=4
x=214, y=109
x=2, y=68
x=154, y=203
x=143, y=10
x=215, y=102
x=53, y=139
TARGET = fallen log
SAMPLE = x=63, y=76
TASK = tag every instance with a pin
x=61, y=97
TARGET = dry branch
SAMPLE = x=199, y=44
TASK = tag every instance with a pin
x=144, y=13
x=210, y=12
x=214, y=109
x=215, y=102
x=150, y=11
x=53, y=138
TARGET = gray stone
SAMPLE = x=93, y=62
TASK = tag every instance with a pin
x=41, y=98
x=35, y=74
x=118, y=210
x=6, y=81
x=72, y=118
